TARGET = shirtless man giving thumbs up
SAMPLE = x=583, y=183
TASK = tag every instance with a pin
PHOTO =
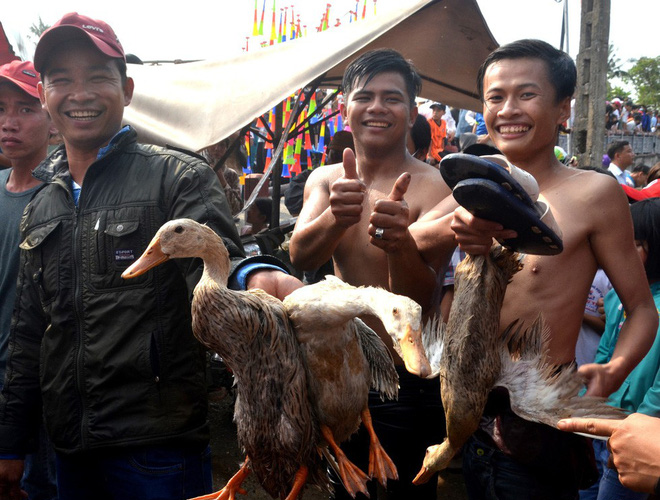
x=358, y=213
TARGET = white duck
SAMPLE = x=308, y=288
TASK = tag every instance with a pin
x=344, y=358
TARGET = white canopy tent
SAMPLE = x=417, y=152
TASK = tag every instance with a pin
x=197, y=104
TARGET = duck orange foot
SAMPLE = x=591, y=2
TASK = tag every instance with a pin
x=353, y=479
x=232, y=487
x=380, y=464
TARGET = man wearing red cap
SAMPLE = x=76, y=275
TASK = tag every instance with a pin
x=25, y=128
x=115, y=362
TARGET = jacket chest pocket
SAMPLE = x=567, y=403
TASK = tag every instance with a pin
x=42, y=248
x=118, y=242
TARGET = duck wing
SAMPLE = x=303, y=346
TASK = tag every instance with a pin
x=328, y=303
x=539, y=390
x=384, y=377
x=433, y=339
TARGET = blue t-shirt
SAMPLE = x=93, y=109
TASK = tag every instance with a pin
x=11, y=208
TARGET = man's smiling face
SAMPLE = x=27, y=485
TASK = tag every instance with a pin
x=379, y=113
x=83, y=92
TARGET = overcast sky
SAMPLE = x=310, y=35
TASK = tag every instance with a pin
x=203, y=29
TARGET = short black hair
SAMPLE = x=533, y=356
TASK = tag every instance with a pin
x=379, y=61
x=645, y=169
x=562, y=72
x=265, y=207
x=420, y=133
x=616, y=147
x=646, y=223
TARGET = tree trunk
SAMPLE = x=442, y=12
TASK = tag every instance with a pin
x=589, y=123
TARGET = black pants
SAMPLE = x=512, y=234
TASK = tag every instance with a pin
x=405, y=428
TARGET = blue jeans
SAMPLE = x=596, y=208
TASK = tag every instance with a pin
x=150, y=473
x=608, y=486
x=39, y=476
x=493, y=475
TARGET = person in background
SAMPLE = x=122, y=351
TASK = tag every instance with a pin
x=419, y=139
x=258, y=216
x=640, y=392
x=621, y=158
x=228, y=177
x=438, y=133
x=640, y=175
x=651, y=190
x=25, y=131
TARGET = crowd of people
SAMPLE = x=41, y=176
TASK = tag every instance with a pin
x=629, y=118
x=103, y=384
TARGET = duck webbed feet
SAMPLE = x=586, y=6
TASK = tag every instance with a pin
x=380, y=464
x=232, y=487
x=353, y=479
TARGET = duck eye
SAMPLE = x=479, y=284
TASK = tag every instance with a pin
x=395, y=311
x=178, y=229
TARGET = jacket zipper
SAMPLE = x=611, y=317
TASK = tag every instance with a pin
x=78, y=308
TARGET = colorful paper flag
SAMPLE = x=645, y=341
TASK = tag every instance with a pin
x=261, y=23
x=273, y=30
x=255, y=27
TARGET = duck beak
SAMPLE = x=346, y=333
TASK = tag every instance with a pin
x=151, y=257
x=413, y=353
x=423, y=476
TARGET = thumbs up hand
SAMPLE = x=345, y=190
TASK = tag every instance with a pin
x=347, y=193
x=389, y=222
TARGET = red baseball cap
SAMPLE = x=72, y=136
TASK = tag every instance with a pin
x=73, y=26
x=23, y=75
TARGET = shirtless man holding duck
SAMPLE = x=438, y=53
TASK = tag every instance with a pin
x=526, y=88
x=357, y=213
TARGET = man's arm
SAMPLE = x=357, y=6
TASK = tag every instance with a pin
x=612, y=242
x=326, y=214
x=409, y=273
x=439, y=231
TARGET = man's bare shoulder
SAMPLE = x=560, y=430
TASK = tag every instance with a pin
x=592, y=186
x=413, y=165
x=325, y=175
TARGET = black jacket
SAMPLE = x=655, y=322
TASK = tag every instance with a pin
x=115, y=359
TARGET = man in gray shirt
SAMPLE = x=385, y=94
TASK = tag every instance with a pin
x=25, y=128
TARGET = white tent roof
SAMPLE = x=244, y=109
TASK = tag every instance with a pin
x=194, y=105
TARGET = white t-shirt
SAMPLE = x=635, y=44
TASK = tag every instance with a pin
x=588, y=340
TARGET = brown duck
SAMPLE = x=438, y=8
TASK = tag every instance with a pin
x=251, y=331
x=472, y=357
x=297, y=391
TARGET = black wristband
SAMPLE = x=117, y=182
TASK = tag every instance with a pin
x=656, y=491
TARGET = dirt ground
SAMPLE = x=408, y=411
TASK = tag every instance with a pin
x=227, y=458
